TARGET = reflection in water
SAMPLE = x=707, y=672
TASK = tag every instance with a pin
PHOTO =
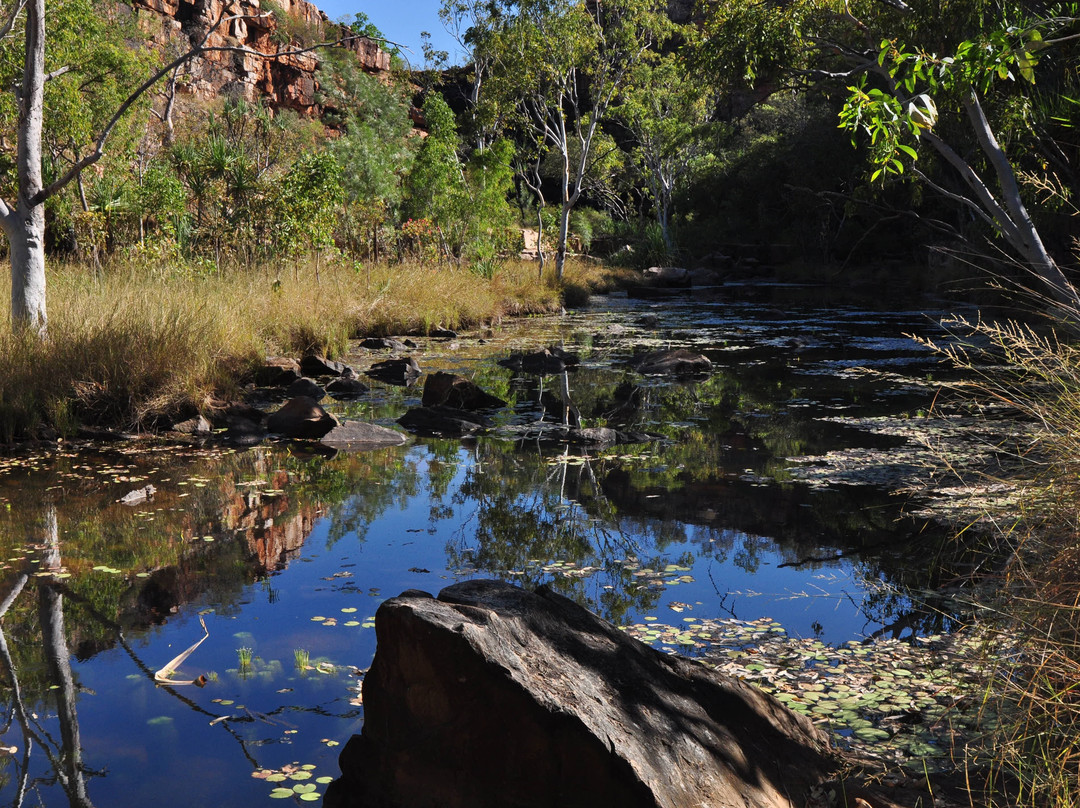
x=289, y=555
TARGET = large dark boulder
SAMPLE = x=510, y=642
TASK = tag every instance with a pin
x=313, y=365
x=667, y=277
x=451, y=390
x=676, y=362
x=443, y=421
x=301, y=417
x=492, y=696
x=279, y=371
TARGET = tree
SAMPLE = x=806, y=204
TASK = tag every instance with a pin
x=969, y=53
x=23, y=220
x=903, y=108
x=561, y=67
x=436, y=188
x=666, y=112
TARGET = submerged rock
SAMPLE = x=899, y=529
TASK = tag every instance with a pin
x=443, y=421
x=382, y=343
x=402, y=371
x=451, y=390
x=492, y=696
x=360, y=435
x=346, y=386
x=676, y=362
x=549, y=360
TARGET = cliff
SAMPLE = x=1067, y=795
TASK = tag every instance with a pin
x=260, y=25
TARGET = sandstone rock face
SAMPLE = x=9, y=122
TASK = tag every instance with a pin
x=289, y=81
x=492, y=696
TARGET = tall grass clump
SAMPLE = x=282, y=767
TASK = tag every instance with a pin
x=1035, y=738
x=131, y=344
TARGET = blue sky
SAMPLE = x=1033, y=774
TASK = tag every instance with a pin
x=400, y=20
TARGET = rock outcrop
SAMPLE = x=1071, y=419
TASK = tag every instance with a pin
x=287, y=81
x=493, y=696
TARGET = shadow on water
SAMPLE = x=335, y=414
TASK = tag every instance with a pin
x=285, y=554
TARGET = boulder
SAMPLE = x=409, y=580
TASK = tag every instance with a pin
x=443, y=333
x=549, y=360
x=306, y=387
x=355, y=436
x=676, y=362
x=198, y=425
x=402, y=371
x=383, y=343
x=667, y=277
x=492, y=696
x=278, y=371
x=443, y=421
x=451, y=390
x=242, y=431
x=347, y=386
x=312, y=365
x=301, y=417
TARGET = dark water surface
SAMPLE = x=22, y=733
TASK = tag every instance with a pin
x=285, y=554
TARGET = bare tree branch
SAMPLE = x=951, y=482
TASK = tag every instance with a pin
x=13, y=14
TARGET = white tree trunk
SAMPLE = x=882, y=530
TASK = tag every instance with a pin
x=26, y=239
x=564, y=236
x=24, y=223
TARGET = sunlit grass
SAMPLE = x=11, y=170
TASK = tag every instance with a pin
x=132, y=343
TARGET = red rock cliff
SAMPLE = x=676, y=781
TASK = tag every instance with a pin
x=287, y=81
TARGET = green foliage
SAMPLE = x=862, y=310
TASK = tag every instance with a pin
x=375, y=151
x=307, y=203
x=436, y=188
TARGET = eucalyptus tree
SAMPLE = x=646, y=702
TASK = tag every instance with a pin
x=23, y=40
x=558, y=66
x=667, y=114
x=915, y=76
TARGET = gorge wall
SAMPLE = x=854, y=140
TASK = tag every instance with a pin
x=285, y=81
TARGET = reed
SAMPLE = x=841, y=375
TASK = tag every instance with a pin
x=1034, y=741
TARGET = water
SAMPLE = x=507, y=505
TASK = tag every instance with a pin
x=284, y=553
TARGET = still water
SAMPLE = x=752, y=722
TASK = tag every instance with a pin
x=283, y=553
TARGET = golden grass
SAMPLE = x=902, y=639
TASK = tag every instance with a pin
x=133, y=342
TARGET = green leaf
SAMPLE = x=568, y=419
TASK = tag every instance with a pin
x=910, y=152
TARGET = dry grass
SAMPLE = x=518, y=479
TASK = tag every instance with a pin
x=132, y=342
x=1036, y=748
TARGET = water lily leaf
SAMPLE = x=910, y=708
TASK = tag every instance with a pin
x=281, y=793
x=872, y=734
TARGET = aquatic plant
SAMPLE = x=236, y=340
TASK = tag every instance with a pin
x=302, y=659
